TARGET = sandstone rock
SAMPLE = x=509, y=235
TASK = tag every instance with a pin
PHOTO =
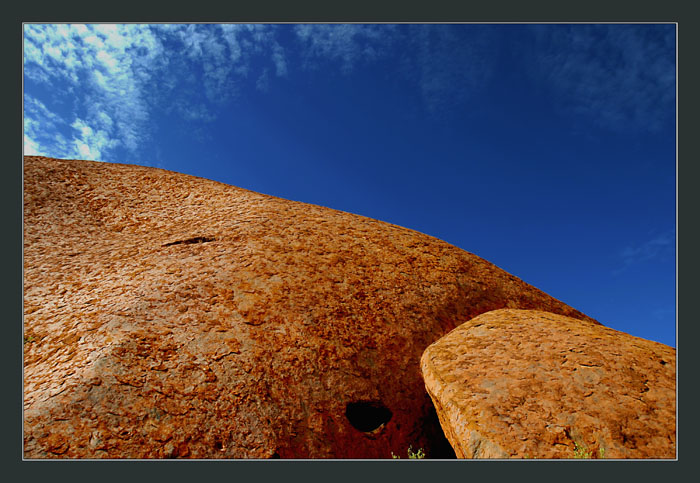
x=171, y=316
x=526, y=383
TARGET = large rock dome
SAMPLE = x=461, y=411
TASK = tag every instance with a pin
x=172, y=316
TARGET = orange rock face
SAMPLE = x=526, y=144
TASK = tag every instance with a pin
x=532, y=384
x=171, y=316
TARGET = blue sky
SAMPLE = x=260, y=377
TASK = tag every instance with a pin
x=549, y=150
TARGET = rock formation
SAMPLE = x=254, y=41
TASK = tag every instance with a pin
x=526, y=383
x=171, y=316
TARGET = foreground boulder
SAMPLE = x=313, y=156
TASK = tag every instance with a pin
x=171, y=316
x=532, y=384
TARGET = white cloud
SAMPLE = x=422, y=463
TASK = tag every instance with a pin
x=82, y=128
x=103, y=67
x=279, y=59
x=108, y=61
x=103, y=119
x=110, y=78
x=230, y=35
x=263, y=82
x=192, y=40
x=42, y=130
x=34, y=108
x=47, y=134
x=31, y=147
x=225, y=53
x=91, y=143
x=81, y=30
x=114, y=76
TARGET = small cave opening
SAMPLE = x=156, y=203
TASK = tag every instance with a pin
x=366, y=416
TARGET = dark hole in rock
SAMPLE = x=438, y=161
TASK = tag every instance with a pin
x=275, y=456
x=663, y=362
x=218, y=445
x=197, y=239
x=367, y=416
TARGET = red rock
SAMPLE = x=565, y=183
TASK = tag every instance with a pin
x=172, y=316
x=526, y=383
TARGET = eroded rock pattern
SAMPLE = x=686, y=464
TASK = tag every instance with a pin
x=172, y=316
x=531, y=384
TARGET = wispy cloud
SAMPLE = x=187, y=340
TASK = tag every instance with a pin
x=92, y=90
x=279, y=58
x=622, y=76
x=92, y=143
x=657, y=247
x=194, y=46
x=448, y=64
x=193, y=111
x=113, y=78
x=44, y=131
x=452, y=63
x=227, y=53
x=106, y=80
x=102, y=70
x=348, y=44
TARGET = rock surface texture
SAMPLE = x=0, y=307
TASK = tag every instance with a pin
x=532, y=384
x=171, y=316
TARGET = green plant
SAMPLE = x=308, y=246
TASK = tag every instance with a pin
x=418, y=455
x=28, y=339
x=581, y=451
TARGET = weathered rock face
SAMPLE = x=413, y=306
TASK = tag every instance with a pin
x=171, y=316
x=525, y=383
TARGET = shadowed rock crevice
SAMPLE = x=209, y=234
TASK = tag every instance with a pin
x=189, y=241
x=438, y=446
